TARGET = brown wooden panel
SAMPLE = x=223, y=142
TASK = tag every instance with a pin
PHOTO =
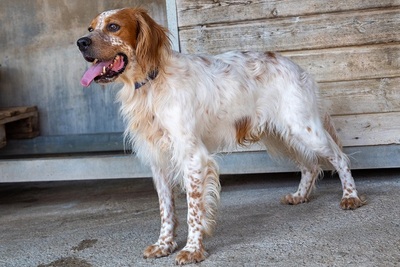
x=200, y=12
x=22, y=129
x=369, y=129
x=3, y=139
x=308, y=32
x=361, y=96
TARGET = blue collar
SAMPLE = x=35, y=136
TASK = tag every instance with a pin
x=152, y=75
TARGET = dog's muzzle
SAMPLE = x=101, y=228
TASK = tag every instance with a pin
x=84, y=43
x=106, y=67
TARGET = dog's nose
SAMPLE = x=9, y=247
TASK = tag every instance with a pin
x=83, y=43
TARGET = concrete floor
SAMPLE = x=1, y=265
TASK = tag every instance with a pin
x=109, y=223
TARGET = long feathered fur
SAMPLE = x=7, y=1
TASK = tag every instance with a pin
x=200, y=104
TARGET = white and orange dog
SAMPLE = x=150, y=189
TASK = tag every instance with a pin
x=179, y=109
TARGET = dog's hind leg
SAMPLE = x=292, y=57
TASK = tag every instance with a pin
x=277, y=147
x=202, y=185
x=315, y=143
x=340, y=162
x=307, y=183
x=165, y=244
x=350, y=199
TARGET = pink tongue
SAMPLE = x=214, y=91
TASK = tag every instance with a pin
x=93, y=72
x=97, y=69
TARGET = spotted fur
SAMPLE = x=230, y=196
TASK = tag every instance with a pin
x=200, y=104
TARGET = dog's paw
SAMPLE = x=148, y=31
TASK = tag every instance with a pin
x=159, y=250
x=291, y=199
x=186, y=256
x=352, y=203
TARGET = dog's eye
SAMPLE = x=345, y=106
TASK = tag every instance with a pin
x=113, y=27
x=90, y=29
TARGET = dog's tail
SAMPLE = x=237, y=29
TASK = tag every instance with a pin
x=212, y=188
x=336, y=144
x=330, y=128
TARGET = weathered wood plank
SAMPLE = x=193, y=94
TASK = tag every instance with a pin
x=350, y=63
x=309, y=32
x=13, y=111
x=18, y=122
x=18, y=117
x=369, y=129
x=361, y=96
x=359, y=130
x=200, y=12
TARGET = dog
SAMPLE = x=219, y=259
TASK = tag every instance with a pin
x=179, y=109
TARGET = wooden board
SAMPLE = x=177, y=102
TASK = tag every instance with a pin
x=9, y=114
x=359, y=130
x=361, y=96
x=308, y=32
x=350, y=63
x=201, y=12
x=18, y=122
x=369, y=129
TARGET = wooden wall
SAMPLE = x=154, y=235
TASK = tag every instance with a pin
x=352, y=48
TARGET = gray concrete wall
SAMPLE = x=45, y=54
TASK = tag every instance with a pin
x=41, y=65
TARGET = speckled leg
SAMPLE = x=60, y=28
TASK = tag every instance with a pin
x=307, y=182
x=350, y=199
x=202, y=191
x=165, y=244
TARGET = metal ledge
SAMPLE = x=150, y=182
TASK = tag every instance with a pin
x=113, y=166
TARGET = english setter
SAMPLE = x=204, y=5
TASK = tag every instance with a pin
x=179, y=109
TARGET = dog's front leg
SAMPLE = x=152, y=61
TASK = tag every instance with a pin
x=165, y=244
x=202, y=186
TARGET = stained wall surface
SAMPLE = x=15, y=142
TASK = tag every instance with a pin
x=41, y=65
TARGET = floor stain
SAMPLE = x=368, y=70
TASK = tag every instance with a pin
x=67, y=262
x=84, y=244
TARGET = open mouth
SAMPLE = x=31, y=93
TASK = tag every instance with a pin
x=104, y=71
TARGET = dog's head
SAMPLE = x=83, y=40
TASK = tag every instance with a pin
x=124, y=44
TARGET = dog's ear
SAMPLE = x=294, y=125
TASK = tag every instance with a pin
x=151, y=41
